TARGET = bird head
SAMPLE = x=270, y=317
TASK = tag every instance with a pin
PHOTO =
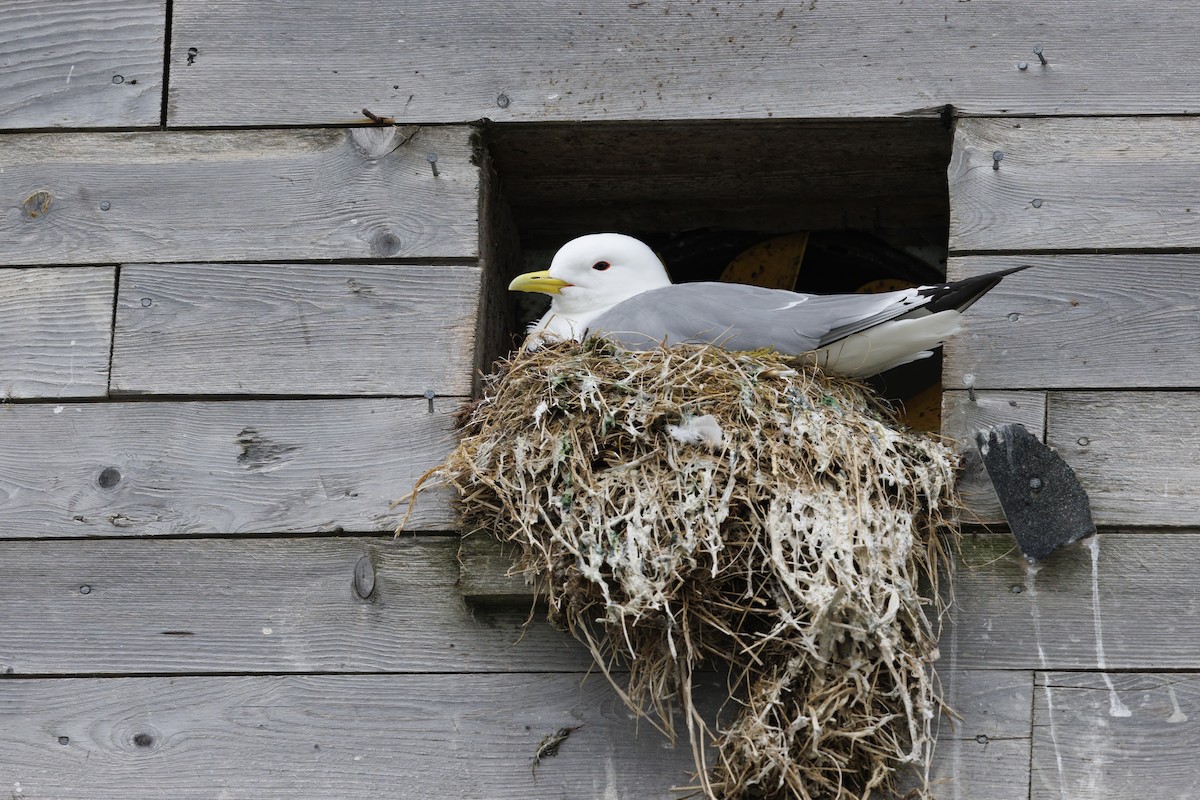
x=595, y=272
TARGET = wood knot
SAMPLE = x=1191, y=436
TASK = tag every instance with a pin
x=36, y=205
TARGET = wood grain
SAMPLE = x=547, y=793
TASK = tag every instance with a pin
x=295, y=329
x=269, y=605
x=1134, y=453
x=55, y=332
x=434, y=61
x=1138, y=575
x=993, y=627
x=1081, y=321
x=984, y=753
x=363, y=193
x=1151, y=752
x=962, y=417
x=1149, y=617
x=1075, y=184
x=82, y=63
x=344, y=736
x=134, y=469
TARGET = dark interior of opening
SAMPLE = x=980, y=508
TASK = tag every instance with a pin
x=871, y=194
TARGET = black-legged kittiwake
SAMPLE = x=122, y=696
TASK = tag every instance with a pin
x=614, y=285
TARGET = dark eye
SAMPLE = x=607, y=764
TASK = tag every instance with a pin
x=600, y=266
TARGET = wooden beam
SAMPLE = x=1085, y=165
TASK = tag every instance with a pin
x=1000, y=621
x=992, y=618
x=1082, y=750
x=541, y=61
x=1132, y=451
x=1075, y=184
x=962, y=417
x=82, y=64
x=55, y=332
x=266, y=195
x=1081, y=321
x=267, y=605
x=135, y=469
x=344, y=736
x=295, y=329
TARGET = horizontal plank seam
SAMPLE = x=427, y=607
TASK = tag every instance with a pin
x=1075, y=251
x=76, y=676
x=17, y=676
x=426, y=535
x=128, y=398
x=407, y=261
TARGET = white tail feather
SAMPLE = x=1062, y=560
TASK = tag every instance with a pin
x=888, y=345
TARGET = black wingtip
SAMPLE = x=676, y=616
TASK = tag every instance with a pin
x=960, y=295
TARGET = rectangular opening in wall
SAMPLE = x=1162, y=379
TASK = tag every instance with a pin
x=859, y=205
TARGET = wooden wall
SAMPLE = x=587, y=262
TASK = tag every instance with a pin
x=226, y=301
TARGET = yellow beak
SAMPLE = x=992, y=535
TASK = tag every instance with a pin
x=539, y=281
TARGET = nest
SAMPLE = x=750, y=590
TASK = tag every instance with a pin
x=688, y=509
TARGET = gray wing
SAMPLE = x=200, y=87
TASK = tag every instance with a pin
x=741, y=317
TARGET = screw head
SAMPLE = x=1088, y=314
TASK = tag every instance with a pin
x=1035, y=484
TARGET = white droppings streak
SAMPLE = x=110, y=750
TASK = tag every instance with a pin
x=70, y=73
x=1177, y=715
x=267, y=631
x=58, y=409
x=610, y=780
x=1031, y=588
x=1115, y=707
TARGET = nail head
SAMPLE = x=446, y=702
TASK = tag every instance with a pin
x=502, y=100
x=1036, y=203
x=109, y=477
x=85, y=589
x=105, y=205
x=1024, y=65
x=118, y=79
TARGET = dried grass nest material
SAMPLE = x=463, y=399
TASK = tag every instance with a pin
x=691, y=508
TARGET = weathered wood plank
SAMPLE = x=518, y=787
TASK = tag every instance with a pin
x=345, y=736
x=295, y=329
x=661, y=60
x=485, y=576
x=1088, y=184
x=962, y=417
x=1148, y=613
x=985, y=754
x=132, y=469
x=55, y=332
x=1134, y=453
x=188, y=606
x=1082, y=751
x=275, y=195
x=1081, y=321
x=81, y=63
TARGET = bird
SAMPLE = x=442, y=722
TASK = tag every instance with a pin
x=613, y=285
